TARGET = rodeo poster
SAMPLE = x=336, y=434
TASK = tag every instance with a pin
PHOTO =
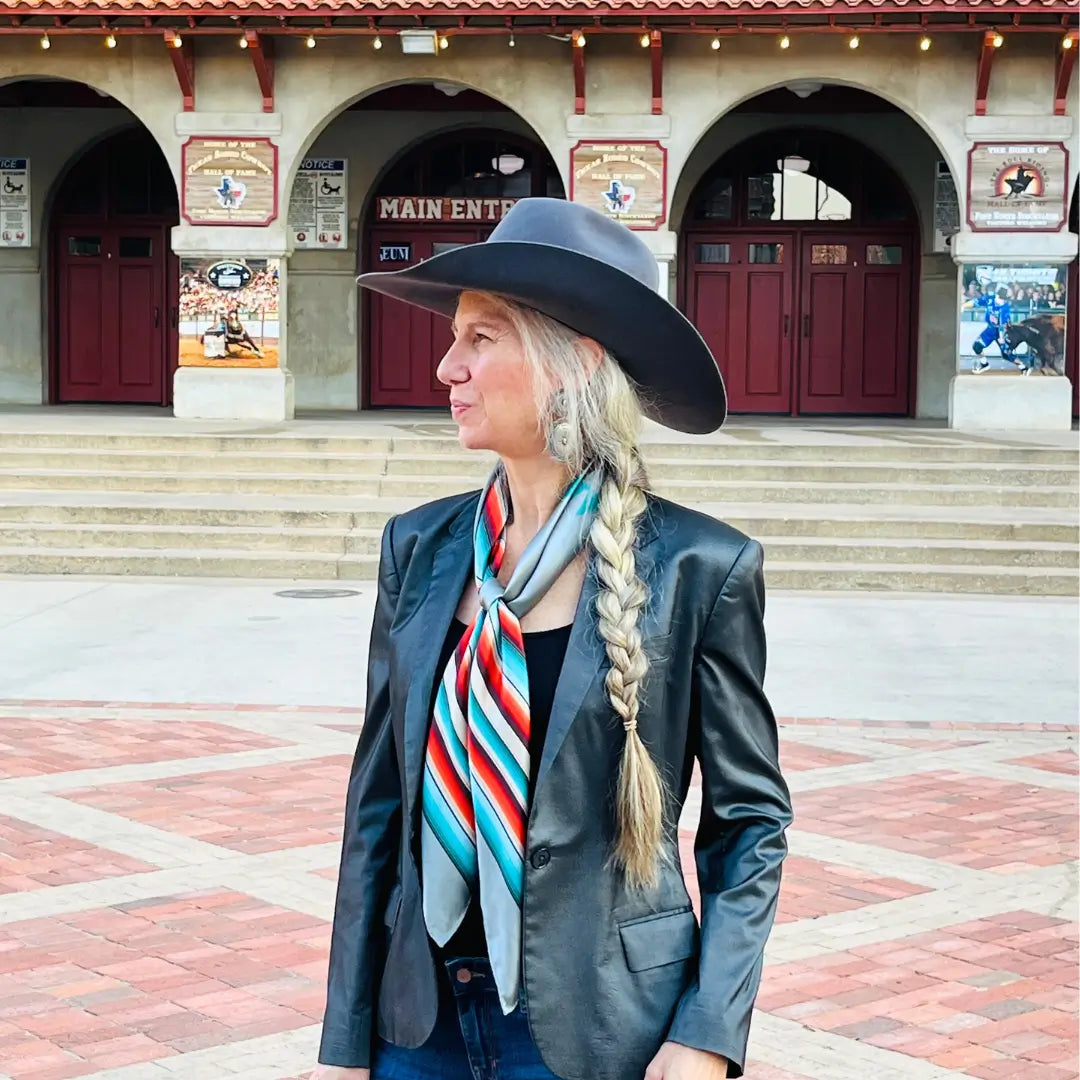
x=1012, y=320
x=229, y=313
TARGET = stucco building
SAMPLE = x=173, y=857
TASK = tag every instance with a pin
x=832, y=192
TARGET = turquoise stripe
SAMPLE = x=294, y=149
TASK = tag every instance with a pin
x=447, y=827
x=501, y=845
x=516, y=776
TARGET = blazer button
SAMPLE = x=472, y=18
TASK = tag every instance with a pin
x=540, y=858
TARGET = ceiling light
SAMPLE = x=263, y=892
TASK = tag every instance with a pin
x=715, y=43
x=418, y=42
x=803, y=88
x=310, y=43
x=508, y=164
x=377, y=44
x=785, y=42
x=793, y=163
x=110, y=42
x=925, y=44
x=45, y=43
x=997, y=41
x=853, y=41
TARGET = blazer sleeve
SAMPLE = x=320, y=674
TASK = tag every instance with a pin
x=368, y=852
x=745, y=809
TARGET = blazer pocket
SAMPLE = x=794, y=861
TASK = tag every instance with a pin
x=660, y=939
x=393, y=907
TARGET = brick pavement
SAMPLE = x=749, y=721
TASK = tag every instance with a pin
x=167, y=876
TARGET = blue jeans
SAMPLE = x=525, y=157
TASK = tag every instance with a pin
x=472, y=1039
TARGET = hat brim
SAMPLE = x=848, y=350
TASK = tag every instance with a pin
x=657, y=346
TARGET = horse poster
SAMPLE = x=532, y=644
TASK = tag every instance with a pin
x=1012, y=320
x=229, y=313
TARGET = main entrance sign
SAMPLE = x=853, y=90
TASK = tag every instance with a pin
x=627, y=180
x=1017, y=186
x=229, y=181
x=440, y=208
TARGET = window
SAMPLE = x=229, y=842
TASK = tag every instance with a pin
x=136, y=247
x=884, y=254
x=828, y=254
x=715, y=202
x=714, y=253
x=84, y=246
x=765, y=253
x=763, y=197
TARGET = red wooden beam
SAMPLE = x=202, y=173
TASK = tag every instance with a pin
x=982, y=75
x=1066, y=64
x=579, y=75
x=656, y=56
x=261, y=51
x=183, y=60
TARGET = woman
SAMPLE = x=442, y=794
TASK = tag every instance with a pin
x=510, y=905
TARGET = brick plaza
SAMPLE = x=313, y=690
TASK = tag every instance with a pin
x=167, y=876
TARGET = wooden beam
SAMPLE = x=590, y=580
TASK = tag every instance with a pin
x=261, y=51
x=579, y=77
x=982, y=75
x=1063, y=71
x=183, y=60
x=656, y=55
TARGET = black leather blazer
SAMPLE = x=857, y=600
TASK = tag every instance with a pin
x=608, y=974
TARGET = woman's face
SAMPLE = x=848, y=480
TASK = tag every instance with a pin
x=491, y=396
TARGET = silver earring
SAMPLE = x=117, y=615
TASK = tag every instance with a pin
x=560, y=435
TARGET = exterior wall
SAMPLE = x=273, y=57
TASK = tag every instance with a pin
x=701, y=87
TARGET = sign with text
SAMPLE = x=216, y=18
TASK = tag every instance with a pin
x=318, y=208
x=627, y=180
x=1017, y=187
x=443, y=208
x=14, y=202
x=229, y=181
x=946, y=208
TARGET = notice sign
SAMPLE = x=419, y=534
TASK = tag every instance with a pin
x=229, y=181
x=318, y=211
x=14, y=202
x=421, y=208
x=626, y=180
x=1017, y=187
x=946, y=208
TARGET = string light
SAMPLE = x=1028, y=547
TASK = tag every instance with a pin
x=177, y=41
x=1066, y=42
x=997, y=41
x=310, y=43
x=110, y=42
x=243, y=42
x=853, y=41
x=579, y=39
x=785, y=42
x=444, y=42
x=45, y=43
x=644, y=41
x=376, y=43
x=512, y=42
x=925, y=44
x=715, y=44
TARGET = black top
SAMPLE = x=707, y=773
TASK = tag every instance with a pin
x=544, y=654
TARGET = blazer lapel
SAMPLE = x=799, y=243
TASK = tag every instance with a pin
x=586, y=658
x=422, y=641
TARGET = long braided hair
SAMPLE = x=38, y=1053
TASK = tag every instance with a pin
x=593, y=419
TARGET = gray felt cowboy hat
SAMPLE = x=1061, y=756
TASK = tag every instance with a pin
x=590, y=273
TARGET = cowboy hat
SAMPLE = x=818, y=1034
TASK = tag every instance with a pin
x=591, y=273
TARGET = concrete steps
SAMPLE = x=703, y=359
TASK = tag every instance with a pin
x=977, y=516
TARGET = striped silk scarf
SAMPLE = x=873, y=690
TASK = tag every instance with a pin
x=476, y=774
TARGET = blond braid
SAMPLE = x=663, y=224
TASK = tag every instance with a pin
x=640, y=796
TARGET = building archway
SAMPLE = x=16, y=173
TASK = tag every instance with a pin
x=447, y=191
x=1072, y=306
x=797, y=264
x=113, y=278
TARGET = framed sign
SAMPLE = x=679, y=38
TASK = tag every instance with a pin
x=318, y=208
x=229, y=181
x=946, y=208
x=1017, y=187
x=627, y=180
x=14, y=202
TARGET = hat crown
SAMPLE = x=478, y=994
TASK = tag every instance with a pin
x=581, y=229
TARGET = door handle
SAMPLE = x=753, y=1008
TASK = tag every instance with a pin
x=787, y=325
x=806, y=326
x=157, y=317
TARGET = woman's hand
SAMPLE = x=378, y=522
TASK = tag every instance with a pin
x=674, y=1061
x=339, y=1072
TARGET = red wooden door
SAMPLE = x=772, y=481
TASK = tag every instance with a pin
x=111, y=328
x=406, y=343
x=854, y=325
x=740, y=299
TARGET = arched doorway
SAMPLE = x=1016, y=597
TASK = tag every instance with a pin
x=796, y=263
x=448, y=191
x=1072, y=307
x=114, y=279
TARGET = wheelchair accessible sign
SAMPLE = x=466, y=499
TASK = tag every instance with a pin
x=14, y=202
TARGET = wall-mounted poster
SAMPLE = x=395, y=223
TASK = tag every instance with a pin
x=229, y=313
x=229, y=181
x=14, y=202
x=1012, y=320
x=1017, y=187
x=318, y=208
x=627, y=180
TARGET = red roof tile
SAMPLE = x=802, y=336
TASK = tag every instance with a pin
x=368, y=7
